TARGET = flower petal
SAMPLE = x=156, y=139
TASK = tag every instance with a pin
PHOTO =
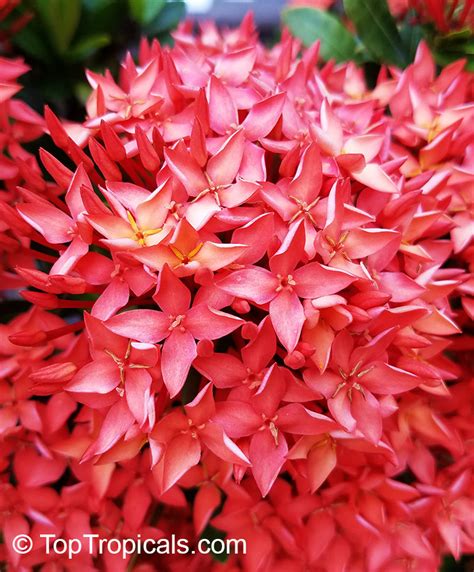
x=143, y=325
x=49, y=221
x=137, y=393
x=208, y=324
x=215, y=439
x=182, y=453
x=98, y=376
x=263, y=116
x=385, y=379
x=297, y=419
x=366, y=411
x=315, y=280
x=177, y=355
x=172, y=295
x=287, y=317
x=224, y=165
x=267, y=458
x=255, y=284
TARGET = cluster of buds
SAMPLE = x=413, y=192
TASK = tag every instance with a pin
x=251, y=293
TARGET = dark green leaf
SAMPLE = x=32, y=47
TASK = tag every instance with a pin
x=96, y=5
x=310, y=24
x=61, y=18
x=82, y=91
x=457, y=35
x=168, y=18
x=377, y=30
x=411, y=37
x=104, y=17
x=31, y=43
x=444, y=58
x=87, y=46
x=468, y=47
x=211, y=533
x=145, y=11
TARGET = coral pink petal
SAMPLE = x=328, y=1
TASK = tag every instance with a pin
x=263, y=117
x=295, y=418
x=314, y=280
x=98, y=376
x=182, y=453
x=142, y=325
x=339, y=406
x=172, y=295
x=255, y=284
x=116, y=423
x=366, y=411
x=177, y=355
x=53, y=224
x=112, y=299
x=267, y=455
x=287, y=317
x=215, y=439
x=206, y=323
x=137, y=392
x=214, y=255
x=385, y=379
x=224, y=165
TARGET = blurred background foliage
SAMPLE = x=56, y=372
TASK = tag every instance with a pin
x=385, y=33
x=60, y=38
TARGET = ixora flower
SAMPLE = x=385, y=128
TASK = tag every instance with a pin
x=446, y=15
x=251, y=288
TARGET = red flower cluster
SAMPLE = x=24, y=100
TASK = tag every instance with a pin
x=445, y=15
x=248, y=280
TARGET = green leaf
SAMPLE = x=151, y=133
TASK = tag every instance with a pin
x=457, y=35
x=377, y=30
x=310, y=24
x=96, y=5
x=211, y=533
x=468, y=47
x=31, y=43
x=104, y=17
x=168, y=19
x=87, y=46
x=82, y=91
x=411, y=36
x=61, y=18
x=145, y=11
x=445, y=58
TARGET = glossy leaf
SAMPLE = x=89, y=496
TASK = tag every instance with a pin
x=377, y=30
x=61, y=17
x=411, y=36
x=310, y=24
x=88, y=46
x=145, y=11
x=169, y=17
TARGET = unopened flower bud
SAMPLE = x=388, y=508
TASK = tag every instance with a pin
x=295, y=360
x=240, y=306
x=205, y=348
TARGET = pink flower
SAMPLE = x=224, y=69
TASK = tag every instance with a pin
x=283, y=286
x=320, y=4
x=178, y=324
x=177, y=440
